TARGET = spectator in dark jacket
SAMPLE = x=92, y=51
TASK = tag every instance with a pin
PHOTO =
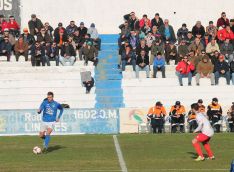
x=159, y=65
x=60, y=38
x=125, y=30
x=182, y=50
x=221, y=69
x=21, y=48
x=232, y=71
x=134, y=40
x=227, y=50
x=142, y=64
x=90, y=54
x=28, y=38
x=34, y=25
x=182, y=32
x=128, y=58
x=157, y=21
x=206, y=40
x=171, y=53
x=167, y=31
x=156, y=47
x=38, y=54
x=43, y=37
x=223, y=21
x=49, y=29
x=189, y=39
x=71, y=28
x=59, y=29
x=88, y=85
x=82, y=29
x=142, y=46
x=132, y=20
x=67, y=55
x=79, y=41
x=215, y=57
x=5, y=48
x=52, y=53
x=198, y=30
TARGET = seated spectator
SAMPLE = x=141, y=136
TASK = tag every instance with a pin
x=232, y=70
x=205, y=70
x=184, y=70
x=34, y=25
x=67, y=55
x=90, y=54
x=3, y=23
x=214, y=113
x=87, y=80
x=230, y=114
x=125, y=30
x=211, y=30
x=223, y=21
x=211, y=47
x=11, y=38
x=142, y=63
x=49, y=29
x=52, y=53
x=196, y=47
x=5, y=48
x=59, y=29
x=156, y=116
x=221, y=69
x=128, y=58
x=43, y=37
x=149, y=39
x=189, y=39
x=182, y=50
x=198, y=30
x=177, y=114
x=225, y=33
x=38, y=54
x=13, y=26
x=60, y=38
x=232, y=25
x=21, y=48
x=157, y=21
x=155, y=49
x=82, y=29
x=182, y=32
x=159, y=65
x=156, y=33
x=167, y=32
x=28, y=38
x=142, y=46
x=79, y=41
x=227, y=50
x=132, y=20
x=144, y=21
x=94, y=36
x=134, y=40
x=71, y=28
x=197, y=59
x=71, y=41
x=171, y=53
x=214, y=57
x=146, y=29
x=206, y=40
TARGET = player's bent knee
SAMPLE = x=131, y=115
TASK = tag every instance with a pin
x=49, y=131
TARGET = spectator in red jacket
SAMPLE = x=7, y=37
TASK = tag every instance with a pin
x=3, y=23
x=225, y=33
x=223, y=21
x=144, y=20
x=184, y=70
x=13, y=25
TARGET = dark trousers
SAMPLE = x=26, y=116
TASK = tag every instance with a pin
x=218, y=75
x=231, y=124
x=177, y=121
x=8, y=54
x=88, y=86
x=132, y=62
x=97, y=43
x=157, y=125
x=192, y=125
x=170, y=57
x=95, y=61
x=38, y=60
x=213, y=120
x=18, y=54
x=156, y=69
x=48, y=59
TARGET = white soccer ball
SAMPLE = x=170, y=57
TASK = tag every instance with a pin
x=36, y=150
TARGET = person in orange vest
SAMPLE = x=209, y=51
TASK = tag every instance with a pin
x=156, y=116
x=214, y=112
x=192, y=116
x=177, y=114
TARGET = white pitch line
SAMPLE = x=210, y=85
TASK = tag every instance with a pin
x=120, y=155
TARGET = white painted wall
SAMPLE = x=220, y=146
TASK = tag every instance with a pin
x=108, y=14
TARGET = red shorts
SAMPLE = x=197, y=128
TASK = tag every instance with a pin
x=202, y=138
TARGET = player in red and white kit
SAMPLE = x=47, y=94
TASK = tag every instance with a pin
x=204, y=137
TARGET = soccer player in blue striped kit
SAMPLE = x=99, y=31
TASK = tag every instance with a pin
x=49, y=118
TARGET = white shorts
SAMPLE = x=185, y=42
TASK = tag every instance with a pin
x=46, y=125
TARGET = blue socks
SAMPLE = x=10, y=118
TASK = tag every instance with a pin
x=47, y=140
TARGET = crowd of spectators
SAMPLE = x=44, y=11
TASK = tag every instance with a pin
x=178, y=116
x=43, y=43
x=202, y=51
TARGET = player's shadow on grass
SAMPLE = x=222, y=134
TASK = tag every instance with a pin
x=194, y=155
x=54, y=148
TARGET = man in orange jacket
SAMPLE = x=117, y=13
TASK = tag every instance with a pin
x=156, y=116
x=177, y=114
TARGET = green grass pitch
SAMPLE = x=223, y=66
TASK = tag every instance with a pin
x=142, y=153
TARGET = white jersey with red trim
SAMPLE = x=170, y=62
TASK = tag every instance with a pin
x=204, y=125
